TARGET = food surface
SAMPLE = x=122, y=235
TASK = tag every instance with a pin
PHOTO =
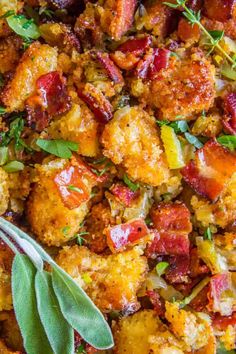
x=118, y=157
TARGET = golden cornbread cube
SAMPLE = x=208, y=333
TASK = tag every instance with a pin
x=131, y=140
x=111, y=281
x=50, y=220
x=37, y=60
x=80, y=126
x=9, y=53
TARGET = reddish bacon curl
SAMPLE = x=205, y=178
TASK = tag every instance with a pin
x=153, y=62
x=120, y=236
x=51, y=98
x=123, y=193
x=212, y=168
x=229, y=119
x=96, y=101
x=112, y=70
x=172, y=224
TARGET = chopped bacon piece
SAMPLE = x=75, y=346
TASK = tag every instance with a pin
x=120, y=236
x=229, y=119
x=112, y=70
x=168, y=243
x=219, y=284
x=219, y=10
x=160, y=61
x=222, y=322
x=72, y=189
x=197, y=267
x=136, y=46
x=157, y=302
x=172, y=224
x=199, y=303
x=123, y=193
x=209, y=172
x=96, y=101
x=187, y=31
x=171, y=217
x=87, y=171
x=123, y=17
x=152, y=63
x=51, y=98
x=178, y=269
x=144, y=64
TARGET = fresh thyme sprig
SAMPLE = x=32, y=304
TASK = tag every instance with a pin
x=195, y=18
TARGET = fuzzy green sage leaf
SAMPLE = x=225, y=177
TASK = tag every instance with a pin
x=25, y=306
x=23, y=26
x=59, y=148
x=60, y=334
x=228, y=141
x=80, y=312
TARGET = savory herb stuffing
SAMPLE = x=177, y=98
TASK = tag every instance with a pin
x=117, y=176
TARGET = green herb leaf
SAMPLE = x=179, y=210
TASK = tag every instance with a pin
x=60, y=334
x=162, y=122
x=208, y=234
x=60, y=148
x=180, y=126
x=228, y=141
x=3, y=155
x=81, y=349
x=133, y=186
x=24, y=27
x=173, y=6
x=25, y=307
x=13, y=166
x=217, y=35
x=75, y=189
x=161, y=268
x=2, y=110
x=74, y=301
x=88, y=313
x=8, y=13
x=222, y=350
x=193, y=140
x=65, y=230
x=228, y=71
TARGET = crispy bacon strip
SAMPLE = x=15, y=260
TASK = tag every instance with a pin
x=72, y=189
x=136, y=46
x=219, y=284
x=112, y=70
x=120, y=236
x=209, y=172
x=123, y=193
x=96, y=101
x=124, y=15
x=222, y=322
x=219, y=10
x=229, y=119
x=178, y=269
x=172, y=224
x=153, y=62
x=51, y=98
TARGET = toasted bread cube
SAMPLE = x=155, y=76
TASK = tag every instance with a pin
x=131, y=140
x=38, y=59
x=111, y=281
x=50, y=220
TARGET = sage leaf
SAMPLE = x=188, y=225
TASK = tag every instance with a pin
x=60, y=148
x=22, y=26
x=25, y=306
x=60, y=334
x=80, y=311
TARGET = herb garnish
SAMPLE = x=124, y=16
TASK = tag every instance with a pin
x=2, y=110
x=13, y=166
x=22, y=26
x=161, y=268
x=51, y=298
x=59, y=148
x=208, y=234
x=75, y=189
x=14, y=134
x=196, y=290
x=133, y=186
x=228, y=141
x=213, y=36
